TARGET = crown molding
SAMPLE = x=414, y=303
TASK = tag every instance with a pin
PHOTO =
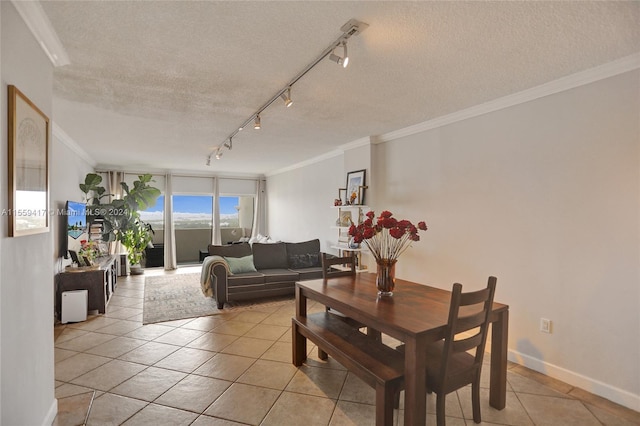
x=63, y=137
x=33, y=15
x=334, y=153
x=610, y=69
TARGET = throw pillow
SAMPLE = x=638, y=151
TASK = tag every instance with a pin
x=307, y=260
x=241, y=265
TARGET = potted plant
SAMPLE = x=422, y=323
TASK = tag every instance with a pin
x=121, y=217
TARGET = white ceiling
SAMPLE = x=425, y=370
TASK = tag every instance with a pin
x=157, y=85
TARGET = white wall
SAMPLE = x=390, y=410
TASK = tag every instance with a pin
x=26, y=263
x=546, y=196
x=300, y=200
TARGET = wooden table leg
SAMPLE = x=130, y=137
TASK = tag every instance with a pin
x=498, y=378
x=415, y=391
x=299, y=343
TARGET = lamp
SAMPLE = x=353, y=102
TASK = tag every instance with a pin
x=344, y=61
x=287, y=98
x=351, y=28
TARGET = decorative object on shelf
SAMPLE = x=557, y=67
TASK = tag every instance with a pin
x=28, y=166
x=345, y=218
x=386, y=238
x=352, y=243
x=89, y=250
x=356, y=187
x=337, y=202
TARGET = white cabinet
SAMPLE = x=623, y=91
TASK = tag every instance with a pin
x=345, y=216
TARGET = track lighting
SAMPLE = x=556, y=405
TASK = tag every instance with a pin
x=229, y=145
x=344, y=61
x=287, y=98
x=208, y=160
x=351, y=28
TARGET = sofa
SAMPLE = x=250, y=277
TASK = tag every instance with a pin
x=248, y=271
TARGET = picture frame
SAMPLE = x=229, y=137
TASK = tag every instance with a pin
x=345, y=218
x=28, y=166
x=356, y=185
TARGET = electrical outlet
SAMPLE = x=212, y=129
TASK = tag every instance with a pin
x=545, y=325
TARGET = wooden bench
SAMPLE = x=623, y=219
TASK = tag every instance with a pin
x=378, y=365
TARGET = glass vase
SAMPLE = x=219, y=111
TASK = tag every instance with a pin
x=386, y=277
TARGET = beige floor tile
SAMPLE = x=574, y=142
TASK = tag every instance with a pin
x=353, y=414
x=179, y=336
x=123, y=313
x=279, y=351
x=194, y=393
x=314, y=361
x=149, y=353
x=116, y=347
x=267, y=331
x=119, y=328
x=545, y=410
x=159, y=415
x=608, y=418
x=109, y=375
x=249, y=347
x=606, y=405
x=233, y=404
x=234, y=328
x=85, y=342
x=149, y=332
x=268, y=374
x=286, y=337
x=67, y=389
x=137, y=318
x=251, y=316
x=185, y=359
x=62, y=354
x=120, y=300
x=523, y=384
x=204, y=323
x=113, y=410
x=315, y=381
x=309, y=411
x=355, y=390
x=513, y=414
x=92, y=323
x=67, y=334
x=73, y=410
x=541, y=378
x=450, y=421
x=213, y=342
x=278, y=318
x=225, y=367
x=78, y=365
x=175, y=323
x=213, y=421
x=149, y=384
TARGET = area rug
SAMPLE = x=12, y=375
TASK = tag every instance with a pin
x=178, y=296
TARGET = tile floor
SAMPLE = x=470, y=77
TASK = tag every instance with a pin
x=235, y=368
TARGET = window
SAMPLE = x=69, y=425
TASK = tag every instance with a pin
x=236, y=218
x=192, y=211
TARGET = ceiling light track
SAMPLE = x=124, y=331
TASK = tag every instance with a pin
x=351, y=28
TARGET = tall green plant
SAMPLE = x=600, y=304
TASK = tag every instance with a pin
x=121, y=218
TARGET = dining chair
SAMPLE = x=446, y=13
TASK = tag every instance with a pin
x=456, y=361
x=349, y=269
x=328, y=271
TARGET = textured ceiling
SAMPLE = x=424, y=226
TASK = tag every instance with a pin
x=157, y=85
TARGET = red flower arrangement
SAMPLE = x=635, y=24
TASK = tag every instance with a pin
x=387, y=238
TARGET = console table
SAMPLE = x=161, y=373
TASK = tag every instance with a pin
x=99, y=280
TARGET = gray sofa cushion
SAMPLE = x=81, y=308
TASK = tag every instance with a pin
x=303, y=255
x=245, y=279
x=231, y=250
x=309, y=273
x=279, y=275
x=269, y=256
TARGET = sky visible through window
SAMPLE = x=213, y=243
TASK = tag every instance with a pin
x=193, y=211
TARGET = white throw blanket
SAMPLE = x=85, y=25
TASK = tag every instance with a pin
x=205, y=276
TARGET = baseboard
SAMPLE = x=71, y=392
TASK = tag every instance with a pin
x=596, y=387
x=51, y=414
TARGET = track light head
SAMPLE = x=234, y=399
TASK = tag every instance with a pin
x=208, y=160
x=229, y=144
x=344, y=61
x=218, y=154
x=287, y=98
x=256, y=122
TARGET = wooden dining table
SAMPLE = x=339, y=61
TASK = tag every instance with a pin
x=416, y=315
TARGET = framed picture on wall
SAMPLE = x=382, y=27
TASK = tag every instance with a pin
x=355, y=187
x=28, y=166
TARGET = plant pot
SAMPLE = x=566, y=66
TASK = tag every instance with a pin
x=136, y=269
